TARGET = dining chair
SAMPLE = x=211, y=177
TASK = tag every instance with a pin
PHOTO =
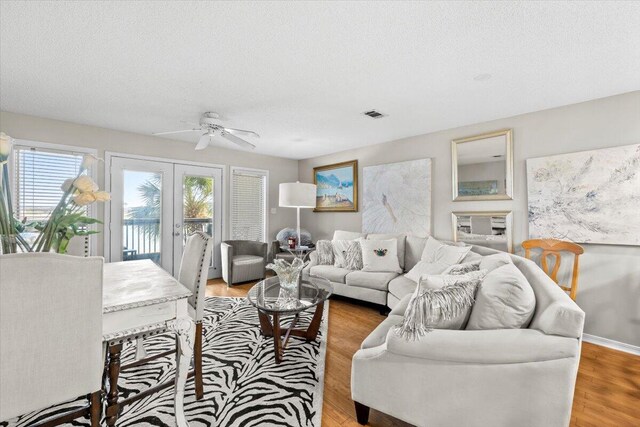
x=555, y=248
x=51, y=347
x=193, y=273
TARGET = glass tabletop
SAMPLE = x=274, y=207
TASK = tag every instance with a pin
x=267, y=295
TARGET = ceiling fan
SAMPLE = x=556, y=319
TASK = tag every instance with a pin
x=209, y=124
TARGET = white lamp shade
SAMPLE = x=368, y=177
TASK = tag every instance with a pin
x=297, y=195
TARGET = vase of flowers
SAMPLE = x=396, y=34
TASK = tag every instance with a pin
x=66, y=220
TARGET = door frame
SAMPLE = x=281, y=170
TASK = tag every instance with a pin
x=108, y=155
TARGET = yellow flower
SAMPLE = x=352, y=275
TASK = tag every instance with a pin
x=85, y=184
x=5, y=144
x=84, y=199
x=88, y=160
x=102, y=196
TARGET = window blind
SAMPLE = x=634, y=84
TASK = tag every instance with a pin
x=248, y=205
x=39, y=174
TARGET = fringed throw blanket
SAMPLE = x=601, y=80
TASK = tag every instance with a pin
x=440, y=302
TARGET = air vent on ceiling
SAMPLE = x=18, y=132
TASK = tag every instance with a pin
x=374, y=114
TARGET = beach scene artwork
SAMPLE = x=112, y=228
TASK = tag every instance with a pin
x=397, y=198
x=586, y=197
x=337, y=187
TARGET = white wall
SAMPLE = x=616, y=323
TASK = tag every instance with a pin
x=609, y=287
x=21, y=126
x=488, y=171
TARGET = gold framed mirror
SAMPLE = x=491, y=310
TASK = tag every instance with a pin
x=492, y=229
x=482, y=166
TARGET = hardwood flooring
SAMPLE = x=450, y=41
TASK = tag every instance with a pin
x=607, y=389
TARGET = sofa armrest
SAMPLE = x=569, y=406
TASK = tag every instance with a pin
x=226, y=254
x=496, y=346
x=274, y=250
x=313, y=259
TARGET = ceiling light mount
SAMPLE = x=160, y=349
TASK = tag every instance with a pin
x=374, y=114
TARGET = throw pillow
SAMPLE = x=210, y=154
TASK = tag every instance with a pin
x=324, y=252
x=339, y=253
x=380, y=255
x=464, y=268
x=436, y=251
x=505, y=300
x=439, y=302
x=491, y=262
x=422, y=268
x=400, y=238
x=353, y=256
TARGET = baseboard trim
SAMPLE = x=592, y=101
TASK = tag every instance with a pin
x=616, y=345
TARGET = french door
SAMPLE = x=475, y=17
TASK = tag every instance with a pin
x=156, y=205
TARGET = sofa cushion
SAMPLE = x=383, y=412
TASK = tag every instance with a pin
x=370, y=279
x=380, y=255
x=240, y=260
x=400, y=238
x=491, y=262
x=379, y=334
x=504, y=300
x=436, y=251
x=413, y=249
x=401, y=286
x=347, y=235
x=422, y=268
x=329, y=272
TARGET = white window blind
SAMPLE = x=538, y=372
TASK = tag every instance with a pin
x=39, y=174
x=248, y=205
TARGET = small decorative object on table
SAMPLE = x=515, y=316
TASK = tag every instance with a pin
x=289, y=275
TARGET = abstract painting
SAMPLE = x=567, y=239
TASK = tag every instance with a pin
x=336, y=187
x=397, y=198
x=586, y=197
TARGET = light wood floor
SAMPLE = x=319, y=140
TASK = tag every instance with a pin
x=607, y=390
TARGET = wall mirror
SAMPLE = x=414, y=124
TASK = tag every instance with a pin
x=490, y=229
x=482, y=166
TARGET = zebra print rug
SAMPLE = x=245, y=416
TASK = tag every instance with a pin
x=243, y=386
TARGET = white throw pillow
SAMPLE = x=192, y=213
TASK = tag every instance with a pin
x=347, y=235
x=491, y=262
x=380, y=255
x=401, y=239
x=340, y=248
x=504, y=300
x=422, y=268
x=436, y=251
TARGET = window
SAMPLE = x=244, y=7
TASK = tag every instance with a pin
x=39, y=170
x=249, y=204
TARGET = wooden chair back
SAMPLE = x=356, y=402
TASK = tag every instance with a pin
x=555, y=248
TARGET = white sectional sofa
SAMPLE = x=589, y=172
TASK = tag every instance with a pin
x=383, y=288
x=499, y=377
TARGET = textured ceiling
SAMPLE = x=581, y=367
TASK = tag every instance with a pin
x=301, y=74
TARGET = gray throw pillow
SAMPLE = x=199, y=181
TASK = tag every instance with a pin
x=439, y=302
x=463, y=268
x=353, y=256
x=324, y=252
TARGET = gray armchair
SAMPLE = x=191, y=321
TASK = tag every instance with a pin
x=243, y=260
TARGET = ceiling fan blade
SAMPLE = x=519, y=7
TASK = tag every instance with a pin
x=241, y=131
x=203, y=142
x=175, y=131
x=239, y=141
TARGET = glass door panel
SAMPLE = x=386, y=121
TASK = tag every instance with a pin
x=200, y=191
x=141, y=211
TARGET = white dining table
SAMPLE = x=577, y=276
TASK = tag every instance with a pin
x=142, y=299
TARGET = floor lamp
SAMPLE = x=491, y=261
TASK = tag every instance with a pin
x=297, y=195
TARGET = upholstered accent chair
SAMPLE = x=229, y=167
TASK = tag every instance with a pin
x=501, y=377
x=51, y=334
x=243, y=260
x=194, y=267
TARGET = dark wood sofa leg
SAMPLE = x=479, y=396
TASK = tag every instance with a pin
x=362, y=413
x=95, y=410
x=384, y=310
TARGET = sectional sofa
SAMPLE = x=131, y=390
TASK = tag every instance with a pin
x=383, y=288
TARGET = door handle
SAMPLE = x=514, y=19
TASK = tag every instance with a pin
x=177, y=233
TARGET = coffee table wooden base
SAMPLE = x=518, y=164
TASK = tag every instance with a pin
x=272, y=328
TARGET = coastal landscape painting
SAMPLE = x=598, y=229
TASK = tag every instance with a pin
x=397, y=198
x=337, y=187
x=586, y=197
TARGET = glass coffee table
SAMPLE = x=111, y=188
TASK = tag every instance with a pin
x=274, y=301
